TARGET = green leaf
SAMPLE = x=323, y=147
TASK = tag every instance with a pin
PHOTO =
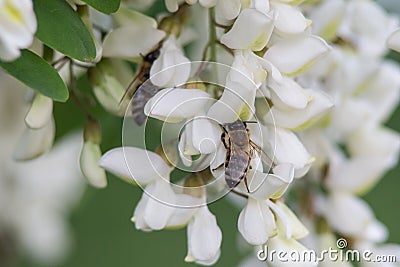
x=61, y=28
x=105, y=6
x=37, y=74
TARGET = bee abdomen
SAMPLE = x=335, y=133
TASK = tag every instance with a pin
x=141, y=97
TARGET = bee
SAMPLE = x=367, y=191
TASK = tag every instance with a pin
x=141, y=89
x=239, y=152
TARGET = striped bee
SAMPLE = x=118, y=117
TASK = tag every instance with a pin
x=141, y=89
x=239, y=152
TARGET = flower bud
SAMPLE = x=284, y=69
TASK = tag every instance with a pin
x=40, y=112
x=170, y=25
x=35, y=142
x=91, y=154
x=108, y=79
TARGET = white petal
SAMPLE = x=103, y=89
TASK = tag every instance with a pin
x=135, y=164
x=295, y=55
x=340, y=210
x=89, y=158
x=289, y=20
x=300, y=119
x=204, y=236
x=159, y=207
x=127, y=16
x=298, y=229
x=171, y=68
x=228, y=10
x=289, y=149
x=286, y=93
x=35, y=142
x=40, y=112
x=174, y=104
x=393, y=42
x=208, y=3
x=239, y=36
x=256, y=222
x=118, y=43
x=265, y=185
x=205, y=135
x=182, y=215
x=280, y=243
x=327, y=17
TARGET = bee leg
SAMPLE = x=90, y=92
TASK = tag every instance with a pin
x=246, y=184
x=216, y=168
x=223, y=139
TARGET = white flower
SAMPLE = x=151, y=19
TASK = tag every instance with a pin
x=35, y=142
x=295, y=55
x=174, y=104
x=17, y=26
x=52, y=185
x=393, y=42
x=339, y=210
x=136, y=26
x=204, y=238
x=239, y=37
x=154, y=209
x=366, y=34
x=171, y=68
x=257, y=222
x=122, y=161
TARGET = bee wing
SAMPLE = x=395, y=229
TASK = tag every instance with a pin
x=131, y=89
x=264, y=157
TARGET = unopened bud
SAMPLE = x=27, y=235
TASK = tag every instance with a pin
x=40, y=112
x=92, y=132
x=108, y=79
x=35, y=142
x=170, y=25
x=89, y=157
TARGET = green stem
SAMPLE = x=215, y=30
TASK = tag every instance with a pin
x=48, y=53
x=74, y=97
x=212, y=38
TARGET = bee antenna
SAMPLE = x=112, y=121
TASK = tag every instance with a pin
x=250, y=121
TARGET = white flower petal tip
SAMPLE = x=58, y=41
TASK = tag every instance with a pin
x=256, y=222
x=35, y=142
x=239, y=37
x=174, y=104
x=300, y=119
x=40, y=112
x=298, y=230
x=118, y=43
x=155, y=207
x=393, y=42
x=171, y=68
x=289, y=20
x=89, y=157
x=340, y=208
x=204, y=238
x=18, y=24
x=295, y=55
x=264, y=186
x=124, y=162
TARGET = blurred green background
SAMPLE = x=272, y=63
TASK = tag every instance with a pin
x=104, y=236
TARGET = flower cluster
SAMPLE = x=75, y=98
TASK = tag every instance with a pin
x=264, y=100
x=255, y=83
x=353, y=147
